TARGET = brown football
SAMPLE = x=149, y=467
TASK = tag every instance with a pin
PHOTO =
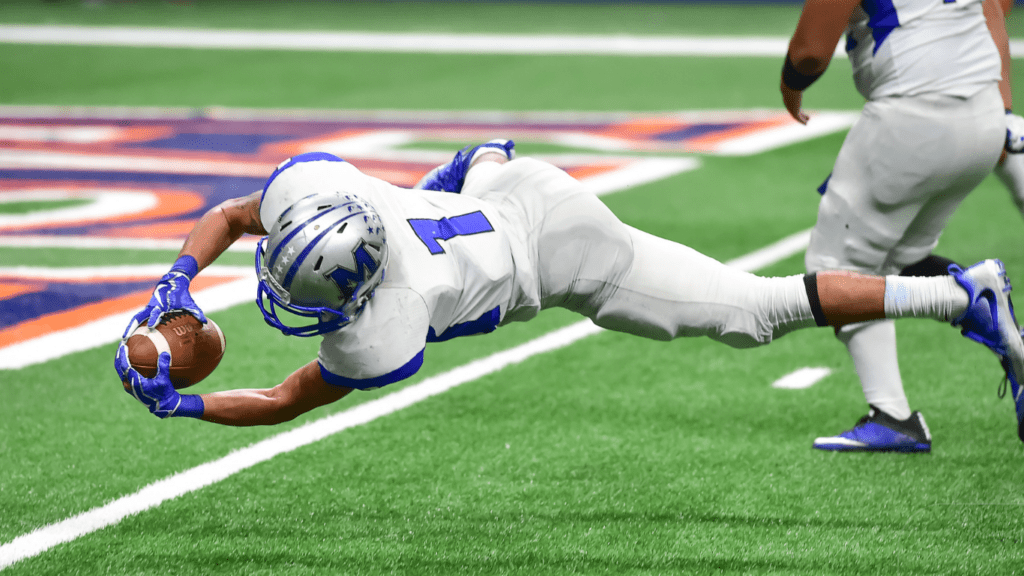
x=196, y=348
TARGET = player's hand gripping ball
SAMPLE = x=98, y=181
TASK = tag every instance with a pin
x=195, y=348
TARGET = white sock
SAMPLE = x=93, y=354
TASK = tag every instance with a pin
x=938, y=297
x=872, y=347
x=1011, y=172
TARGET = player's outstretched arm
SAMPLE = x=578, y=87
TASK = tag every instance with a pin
x=821, y=24
x=995, y=19
x=221, y=226
x=301, y=392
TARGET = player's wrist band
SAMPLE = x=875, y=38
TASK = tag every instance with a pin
x=192, y=406
x=792, y=78
x=187, y=265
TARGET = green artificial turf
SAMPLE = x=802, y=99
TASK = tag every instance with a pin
x=199, y=78
x=615, y=455
x=452, y=17
x=33, y=206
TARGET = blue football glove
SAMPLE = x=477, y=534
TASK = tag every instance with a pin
x=158, y=394
x=1014, y=133
x=171, y=293
x=451, y=176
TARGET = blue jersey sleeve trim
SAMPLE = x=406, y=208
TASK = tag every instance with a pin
x=306, y=157
x=882, y=19
x=410, y=368
x=482, y=325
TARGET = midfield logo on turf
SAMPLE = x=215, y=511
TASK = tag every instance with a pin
x=139, y=179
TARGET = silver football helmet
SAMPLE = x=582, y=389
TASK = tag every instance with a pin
x=323, y=259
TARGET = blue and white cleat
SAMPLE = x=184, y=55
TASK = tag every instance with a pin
x=1017, y=392
x=879, y=432
x=451, y=176
x=990, y=320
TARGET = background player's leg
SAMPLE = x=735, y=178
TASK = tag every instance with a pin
x=931, y=266
x=1011, y=173
x=885, y=207
x=845, y=237
x=872, y=346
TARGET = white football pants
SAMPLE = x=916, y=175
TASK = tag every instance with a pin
x=627, y=280
x=904, y=168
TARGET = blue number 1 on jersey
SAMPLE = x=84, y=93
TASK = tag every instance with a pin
x=432, y=231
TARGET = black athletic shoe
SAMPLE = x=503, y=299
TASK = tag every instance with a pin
x=879, y=432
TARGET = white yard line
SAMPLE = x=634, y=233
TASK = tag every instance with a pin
x=802, y=378
x=570, y=44
x=573, y=44
x=772, y=253
x=38, y=541
x=637, y=173
x=821, y=123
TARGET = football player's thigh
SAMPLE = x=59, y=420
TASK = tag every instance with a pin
x=517, y=177
x=851, y=232
x=970, y=145
x=892, y=164
x=583, y=250
x=922, y=235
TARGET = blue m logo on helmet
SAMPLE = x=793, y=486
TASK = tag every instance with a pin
x=349, y=281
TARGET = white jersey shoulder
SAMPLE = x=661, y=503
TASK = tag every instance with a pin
x=450, y=273
x=911, y=47
x=384, y=344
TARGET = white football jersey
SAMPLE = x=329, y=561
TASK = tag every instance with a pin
x=911, y=47
x=450, y=273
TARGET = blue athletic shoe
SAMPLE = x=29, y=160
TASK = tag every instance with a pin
x=451, y=176
x=879, y=432
x=990, y=320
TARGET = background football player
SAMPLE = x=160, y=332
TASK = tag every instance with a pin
x=935, y=76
